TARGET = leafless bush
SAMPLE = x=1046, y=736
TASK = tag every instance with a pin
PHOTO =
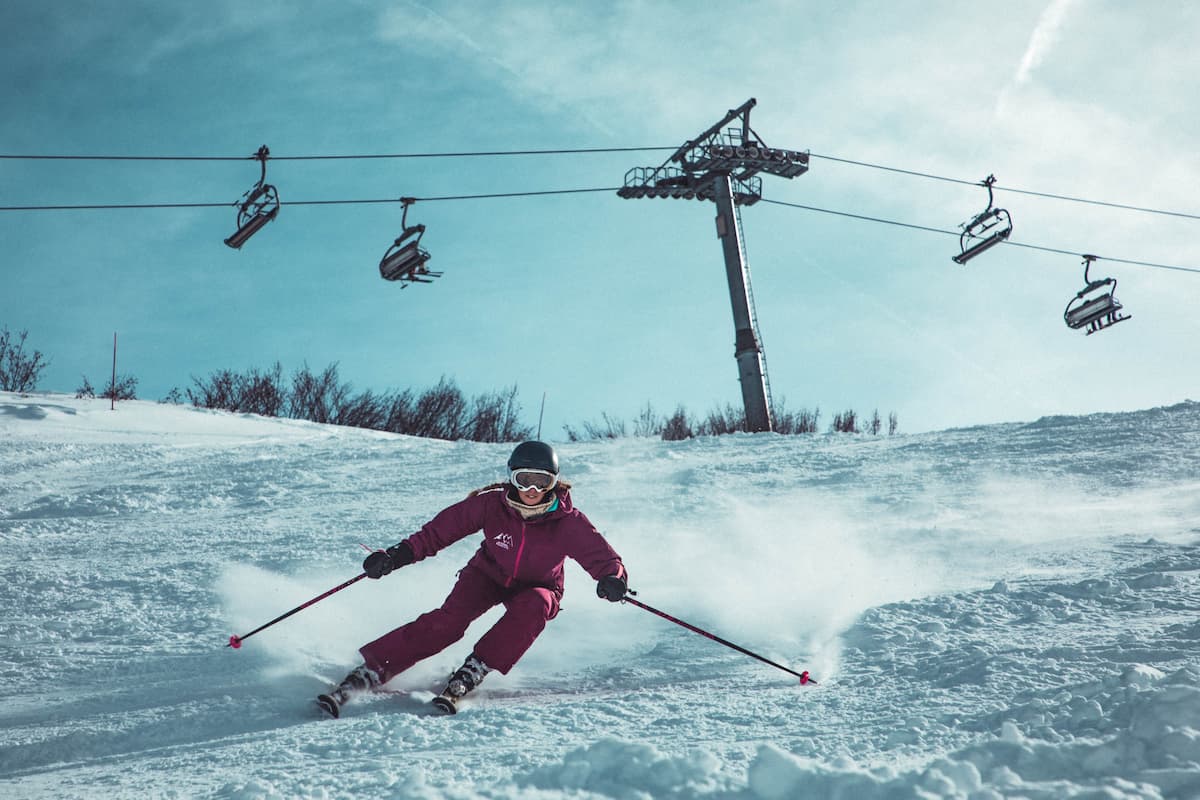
x=845, y=422
x=647, y=423
x=262, y=392
x=363, y=410
x=677, y=427
x=496, y=417
x=793, y=422
x=721, y=422
x=215, y=391
x=125, y=388
x=252, y=392
x=401, y=412
x=19, y=371
x=607, y=428
x=441, y=412
x=316, y=398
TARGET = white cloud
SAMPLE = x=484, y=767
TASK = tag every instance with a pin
x=1045, y=36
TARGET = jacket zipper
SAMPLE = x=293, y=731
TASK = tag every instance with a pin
x=517, y=561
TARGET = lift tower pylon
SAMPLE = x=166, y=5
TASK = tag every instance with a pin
x=747, y=349
x=722, y=165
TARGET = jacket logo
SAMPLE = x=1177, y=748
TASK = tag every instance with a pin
x=503, y=540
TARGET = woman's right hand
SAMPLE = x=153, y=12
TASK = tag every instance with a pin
x=383, y=562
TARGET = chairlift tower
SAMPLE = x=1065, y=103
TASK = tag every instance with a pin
x=722, y=165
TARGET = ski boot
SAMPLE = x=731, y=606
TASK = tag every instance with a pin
x=360, y=680
x=468, y=676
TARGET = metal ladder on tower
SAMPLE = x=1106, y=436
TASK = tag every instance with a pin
x=762, y=350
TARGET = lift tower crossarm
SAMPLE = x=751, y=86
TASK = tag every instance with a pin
x=742, y=111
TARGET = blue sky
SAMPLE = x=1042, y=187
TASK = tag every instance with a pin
x=601, y=303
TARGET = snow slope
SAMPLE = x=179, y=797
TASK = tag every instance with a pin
x=1002, y=611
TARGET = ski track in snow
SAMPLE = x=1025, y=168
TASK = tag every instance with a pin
x=1002, y=611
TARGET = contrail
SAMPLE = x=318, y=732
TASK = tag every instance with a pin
x=1045, y=36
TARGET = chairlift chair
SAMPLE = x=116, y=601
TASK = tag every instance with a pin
x=1095, y=307
x=257, y=207
x=996, y=220
x=405, y=259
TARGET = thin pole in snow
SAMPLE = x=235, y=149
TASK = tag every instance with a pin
x=113, y=397
x=540, y=414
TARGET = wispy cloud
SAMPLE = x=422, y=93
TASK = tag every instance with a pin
x=517, y=46
x=1045, y=36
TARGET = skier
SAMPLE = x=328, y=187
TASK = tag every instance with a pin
x=529, y=528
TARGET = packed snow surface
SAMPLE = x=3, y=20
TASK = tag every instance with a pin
x=993, y=612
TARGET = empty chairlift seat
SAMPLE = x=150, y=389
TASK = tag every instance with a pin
x=987, y=229
x=257, y=207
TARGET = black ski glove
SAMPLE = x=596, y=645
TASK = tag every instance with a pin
x=611, y=588
x=382, y=562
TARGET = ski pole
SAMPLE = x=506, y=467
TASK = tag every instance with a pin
x=803, y=676
x=236, y=641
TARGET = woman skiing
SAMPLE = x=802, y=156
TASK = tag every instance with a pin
x=529, y=528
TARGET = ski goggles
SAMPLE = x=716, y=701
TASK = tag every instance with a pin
x=526, y=479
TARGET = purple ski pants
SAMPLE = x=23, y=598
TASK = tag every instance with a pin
x=527, y=609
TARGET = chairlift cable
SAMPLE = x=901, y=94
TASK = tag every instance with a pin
x=346, y=157
x=550, y=192
x=515, y=194
x=476, y=154
x=957, y=233
x=1001, y=187
x=116, y=206
x=585, y=150
x=124, y=206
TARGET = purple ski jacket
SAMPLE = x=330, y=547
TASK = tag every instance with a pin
x=517, y=552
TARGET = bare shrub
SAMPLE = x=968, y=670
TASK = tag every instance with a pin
x=125, y=388
x=647, y=423
x=496, y=417
x=607, y=428
x=19, y=371
x=316, y=398
x=441, y=412
x=678, y=427
x=845, y=422
x=401, y=412
x=793, y=422
x=252, y=392
x=363, y=410
x=724, y=421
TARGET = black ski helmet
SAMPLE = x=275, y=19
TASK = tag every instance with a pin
x=534, y=455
